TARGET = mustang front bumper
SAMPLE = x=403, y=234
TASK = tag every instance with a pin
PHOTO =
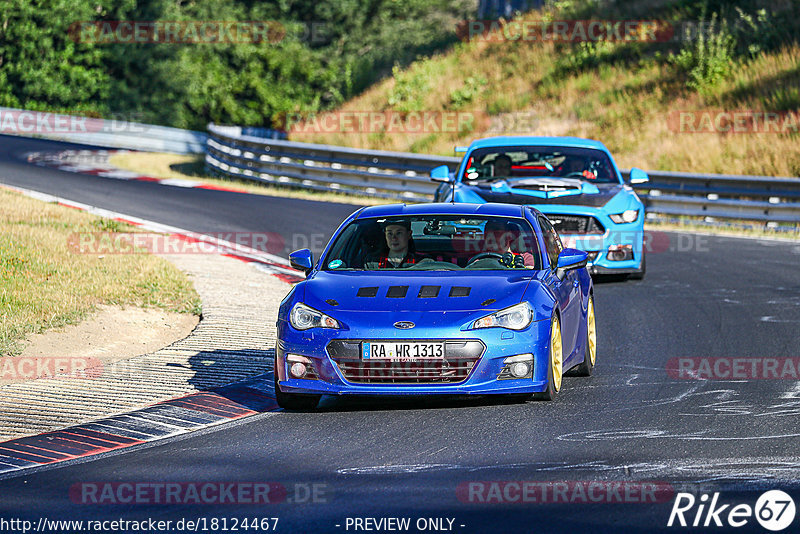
x=619, y=249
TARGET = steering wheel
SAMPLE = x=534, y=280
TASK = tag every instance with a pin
x=587, y=175
x=484, y=255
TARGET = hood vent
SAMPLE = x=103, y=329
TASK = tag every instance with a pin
x=457, y=291
x=397, y=292
x=367, y=292
x=428, y=292
x=549, y=184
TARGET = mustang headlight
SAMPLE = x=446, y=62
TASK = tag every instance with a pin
x=627, y=216
x=304, y=317
x=514, y=317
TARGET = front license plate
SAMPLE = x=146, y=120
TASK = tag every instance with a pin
x=402, y=351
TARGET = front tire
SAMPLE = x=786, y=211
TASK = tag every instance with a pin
x=590, y=357
x=293, y=401
x=555, y=364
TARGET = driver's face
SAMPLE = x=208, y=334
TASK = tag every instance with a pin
x=497, y=239
x=574, y=165
x=397, y=238
x=502, y=166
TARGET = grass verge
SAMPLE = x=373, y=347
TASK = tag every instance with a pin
x=192, y=167
x=43, y=284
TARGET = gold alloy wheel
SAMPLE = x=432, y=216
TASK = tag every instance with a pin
x=556, y=356
x=592, y=332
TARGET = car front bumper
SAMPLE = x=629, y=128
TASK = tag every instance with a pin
x=482, y=379
x=599, y=246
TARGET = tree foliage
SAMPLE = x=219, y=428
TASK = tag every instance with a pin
x=331, y=50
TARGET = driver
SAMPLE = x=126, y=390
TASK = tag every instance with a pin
x=576, y=165
x=400, y=245
x=499, y=236
x=502, y=165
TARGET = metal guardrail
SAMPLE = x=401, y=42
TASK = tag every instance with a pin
x=404, y=176
x=265, y=155
x=101, y=132
x=754, y=198
x=378, y=173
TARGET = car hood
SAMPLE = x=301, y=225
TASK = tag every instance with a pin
x=383, y=291
x=570, y=191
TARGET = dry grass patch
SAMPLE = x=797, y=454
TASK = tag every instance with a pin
x=44, y=284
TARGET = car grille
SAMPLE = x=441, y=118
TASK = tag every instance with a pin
x=575, y=224
x=459, y=360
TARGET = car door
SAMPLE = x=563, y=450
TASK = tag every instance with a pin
x=567, y=290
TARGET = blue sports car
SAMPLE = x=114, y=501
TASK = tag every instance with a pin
x=436, y=299
x=575, y=182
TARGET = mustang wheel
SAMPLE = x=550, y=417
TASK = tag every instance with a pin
x=293, y=401
x=590, y=358
x=555, y=369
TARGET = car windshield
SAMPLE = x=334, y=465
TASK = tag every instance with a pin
x=435, y=242
x=513, y=162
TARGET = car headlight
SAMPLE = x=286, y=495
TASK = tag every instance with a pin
x=627, y=216
x=514, y=317
x=304, y=317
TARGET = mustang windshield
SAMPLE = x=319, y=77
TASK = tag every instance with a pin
x=514, y=162
x=435, y=242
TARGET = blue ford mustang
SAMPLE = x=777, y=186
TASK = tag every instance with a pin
x=575, y=182
x=436, y=299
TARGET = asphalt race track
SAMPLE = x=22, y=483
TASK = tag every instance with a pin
x=190, y=209
x=634, y=422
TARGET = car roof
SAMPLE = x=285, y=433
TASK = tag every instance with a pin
x=442, y=208
x=529, y=140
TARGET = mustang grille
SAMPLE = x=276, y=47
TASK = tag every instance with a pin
x=459, y=359
x=575, y=224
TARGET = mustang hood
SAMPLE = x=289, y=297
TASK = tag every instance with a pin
x=547, y=191
x=416, y=291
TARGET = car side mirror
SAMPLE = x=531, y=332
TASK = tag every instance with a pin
x=441, y=174
x=302, y=260
x=570, y=259
x=638, y=176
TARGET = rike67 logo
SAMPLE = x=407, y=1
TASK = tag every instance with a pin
x=774, y=510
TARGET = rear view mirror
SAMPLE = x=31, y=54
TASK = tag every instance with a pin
x=302, y=260
x=638, y=176
x=441, y=174
x=569, y=259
